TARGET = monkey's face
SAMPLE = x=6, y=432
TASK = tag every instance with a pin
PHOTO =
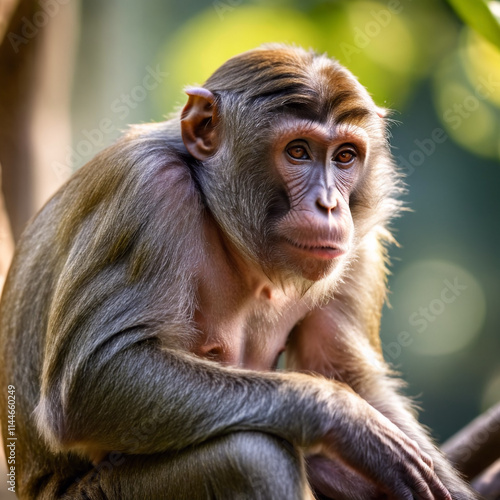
x=318, y=165
x=294, y=168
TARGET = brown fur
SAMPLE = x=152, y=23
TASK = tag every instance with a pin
x=149, y=300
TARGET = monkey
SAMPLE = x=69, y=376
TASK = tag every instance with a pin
x=149, y=301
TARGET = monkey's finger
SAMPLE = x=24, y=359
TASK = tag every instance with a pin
x=420, y=475
x=422, y=491
x=425, y=457
x=428, y=486
x=418, y=483
x=428, y=460
x=422, y=455
x=409, y=483
x=434, y=484
x=438, y=489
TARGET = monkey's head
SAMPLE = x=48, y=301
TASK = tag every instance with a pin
x=293, y=160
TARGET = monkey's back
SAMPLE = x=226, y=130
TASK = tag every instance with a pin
x=31, y=291
x=23, y=323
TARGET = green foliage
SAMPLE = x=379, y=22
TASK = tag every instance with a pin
x=479, y=16
x=389, y=46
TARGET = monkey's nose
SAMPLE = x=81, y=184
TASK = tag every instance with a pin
x=327, y=202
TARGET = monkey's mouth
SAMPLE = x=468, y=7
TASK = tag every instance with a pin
x=322, y=249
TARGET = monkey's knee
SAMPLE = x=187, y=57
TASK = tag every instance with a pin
x=258, y=466
x=238, y=466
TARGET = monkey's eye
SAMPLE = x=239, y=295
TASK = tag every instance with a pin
x=345, y=157
x=297, y=152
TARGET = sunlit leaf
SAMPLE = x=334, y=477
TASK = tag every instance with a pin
x=478, y=15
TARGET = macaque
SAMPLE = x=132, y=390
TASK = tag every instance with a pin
x=149, y=301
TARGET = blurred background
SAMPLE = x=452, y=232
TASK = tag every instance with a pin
x=74, y=74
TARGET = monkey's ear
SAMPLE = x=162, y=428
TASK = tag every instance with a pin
x=198, y=120
x=382, y=112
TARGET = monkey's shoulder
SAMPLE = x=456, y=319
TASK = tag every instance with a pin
x=147, y=164
x=125, y=185
x=114, y=209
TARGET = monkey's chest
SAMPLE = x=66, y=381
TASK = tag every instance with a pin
x=251, y=339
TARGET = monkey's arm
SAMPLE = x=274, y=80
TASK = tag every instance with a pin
x=341, y=342
x=140, y=399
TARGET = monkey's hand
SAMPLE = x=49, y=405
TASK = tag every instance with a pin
x=370, y=443
x=335, y=479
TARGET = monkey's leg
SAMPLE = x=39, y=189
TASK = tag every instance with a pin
x=237, y=466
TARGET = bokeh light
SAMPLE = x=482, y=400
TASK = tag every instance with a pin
x=467, y=95
x=440, y=304
x=362, y=37
x=360, y=34
x=239, y=30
